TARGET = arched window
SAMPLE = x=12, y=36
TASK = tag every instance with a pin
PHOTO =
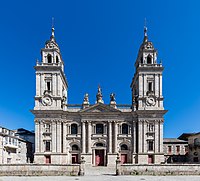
x=74, y=129
x=75, y=148
x=149, y=59
x=99, y=144
x=57, y=60
x=49, y=58
x=196, y=142
x=124, y=128
x=124, y=147
x=99, y=128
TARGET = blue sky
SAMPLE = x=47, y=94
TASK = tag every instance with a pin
x=99, y=41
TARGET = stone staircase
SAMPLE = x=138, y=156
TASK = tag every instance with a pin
x=99, y=170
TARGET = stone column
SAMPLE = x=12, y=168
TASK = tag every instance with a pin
x=160, y=85
x=41, y=136
x=161, y=136
x=134, y=137
x=156, y=139
x=64, y=137
x=115, y=138
x=59, y=136
x=37, y=136
x=54, y=84
x=140, y=136
x=53, y=136
x=42, y=84
x=89, y=137
x=38, y=84
x=110, y=136
x=83, y=137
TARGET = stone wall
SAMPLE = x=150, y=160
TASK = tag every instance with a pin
x=39, y=169
x=160, y=169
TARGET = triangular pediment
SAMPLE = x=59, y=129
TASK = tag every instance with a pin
x=100, y=108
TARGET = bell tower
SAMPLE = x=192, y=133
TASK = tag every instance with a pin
x=51, y=84
x=147, y=82
x=147, y=104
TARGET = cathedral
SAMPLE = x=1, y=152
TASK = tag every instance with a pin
x=98, y=133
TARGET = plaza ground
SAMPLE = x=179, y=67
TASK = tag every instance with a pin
x=103, y=178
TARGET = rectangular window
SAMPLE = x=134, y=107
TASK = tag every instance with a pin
x=177, y=149
x=47, y=128
x=47, y=146
x=186, y=149
x=150, y=86
x=48, y=86
x=151, y=128
x=150, y=146
x=169, y=149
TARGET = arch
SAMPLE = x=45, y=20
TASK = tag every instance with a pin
x=99, y=144
x=75, y=148
x=124, y=128
x=124, y=147
x=74, y=128
x=149, y=58
x=99, y=128
x=49, y=58
x=57, y=59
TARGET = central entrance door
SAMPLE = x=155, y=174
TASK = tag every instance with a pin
x=99, y=157
x=123, y=158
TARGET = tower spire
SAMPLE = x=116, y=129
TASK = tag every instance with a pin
x=145, y=30
x=52, y=30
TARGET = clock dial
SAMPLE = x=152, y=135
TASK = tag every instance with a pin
x=46, y=101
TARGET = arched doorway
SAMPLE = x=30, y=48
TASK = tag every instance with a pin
x=99, y=154
x=124, y=153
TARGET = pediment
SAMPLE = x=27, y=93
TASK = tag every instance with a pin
x=98, y=108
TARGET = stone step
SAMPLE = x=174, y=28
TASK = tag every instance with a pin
x=100, y=170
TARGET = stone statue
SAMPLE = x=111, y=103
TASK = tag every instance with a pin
x=112, y=97
x=99, y=96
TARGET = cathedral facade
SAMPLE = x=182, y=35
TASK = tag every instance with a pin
x=100, y=132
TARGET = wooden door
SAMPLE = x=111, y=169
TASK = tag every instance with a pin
x=150, y=159
x=74, y=158
x=48, y=159
x=123, y=158
x=99, y=157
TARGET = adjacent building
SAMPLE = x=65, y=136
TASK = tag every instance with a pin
x=28, y=136
x=175, y=150
x=98, y=132
x=13, y=150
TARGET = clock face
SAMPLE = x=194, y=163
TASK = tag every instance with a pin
x=46, y=101
x=150, y=101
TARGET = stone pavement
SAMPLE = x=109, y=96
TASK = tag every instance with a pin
x=104, y=178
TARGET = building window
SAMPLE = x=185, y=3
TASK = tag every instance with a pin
x=151, y=127
x=150, y=86
x=177, y=149
x=99, y=128
x=74, y=129
x=169, y=149
x=49, y=58
x=149, y=59
x=47, y=146
x=48, y=86
x=124, y=129
x=47, y=128
x=141, y=59
x=186, y=149
x=57, y=60
x=48, y=159
x=75, y=148
x=150, y=146
x=124, y=147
